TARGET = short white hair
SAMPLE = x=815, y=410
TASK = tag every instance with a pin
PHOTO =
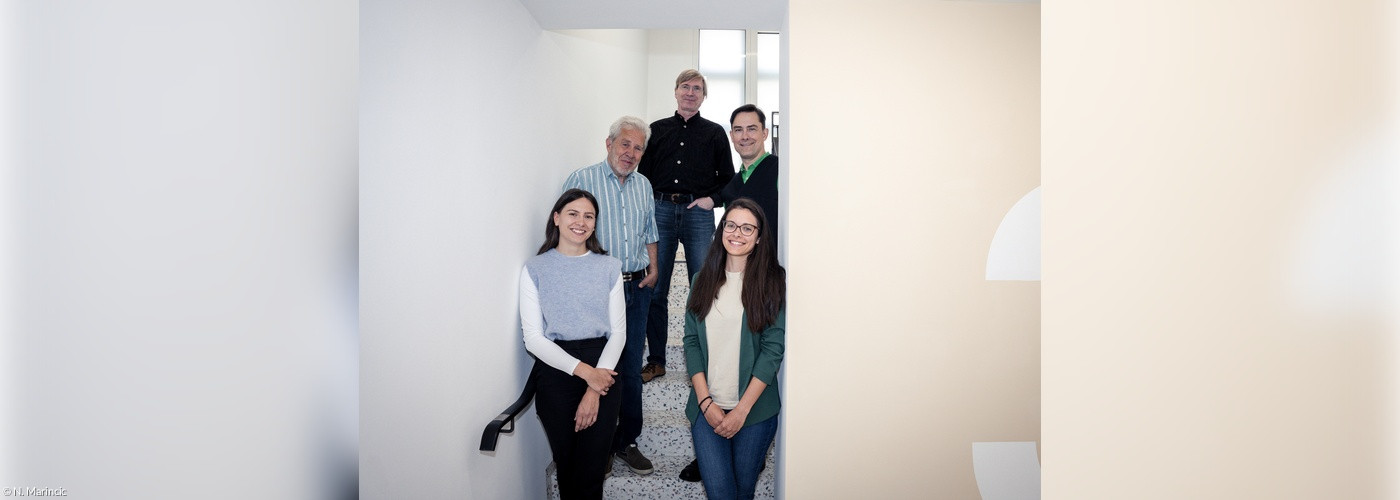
x=633, y=123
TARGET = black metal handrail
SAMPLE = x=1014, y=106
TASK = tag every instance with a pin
x=497, y=426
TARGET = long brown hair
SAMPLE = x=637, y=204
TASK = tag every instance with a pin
x=551, y=231
x=765, y=281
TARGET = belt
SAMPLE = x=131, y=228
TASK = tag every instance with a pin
x=635, y=275
x=595, y=342
x=674, y=197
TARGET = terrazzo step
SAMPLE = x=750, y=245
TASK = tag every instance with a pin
x=680, y=291
x=664, y=483
x=675, y=358
x=680, y=282
x=675, y=324
x=666, y=393
x=665, y=433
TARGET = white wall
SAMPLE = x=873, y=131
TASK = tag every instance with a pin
x=471, y=118
x=179, y=189
x=669, y=52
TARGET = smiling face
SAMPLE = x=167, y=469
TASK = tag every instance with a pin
x=738, y=221
x=690, y=94
x=748, y=136
x=575, y=222
x=625, y=150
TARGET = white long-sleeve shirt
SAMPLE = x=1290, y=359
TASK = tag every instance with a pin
x=576, y=289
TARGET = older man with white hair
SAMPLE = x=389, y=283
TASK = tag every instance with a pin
x=626, y=228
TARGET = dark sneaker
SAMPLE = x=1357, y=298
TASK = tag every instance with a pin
x=651, y=371
x=607, y=473
x=691, y=472
x=632, y=457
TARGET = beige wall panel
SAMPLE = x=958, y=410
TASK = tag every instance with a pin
x=1184, y=145
x=910, y=139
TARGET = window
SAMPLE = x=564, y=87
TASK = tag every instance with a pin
x=737, y=77
x=767, y=83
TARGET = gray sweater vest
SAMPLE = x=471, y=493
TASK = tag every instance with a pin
x=574, y=293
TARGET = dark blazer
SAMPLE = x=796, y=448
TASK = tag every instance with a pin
x=762, y=187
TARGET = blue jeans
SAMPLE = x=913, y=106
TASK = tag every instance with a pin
x=629, y=366
x=730, y=467
x=693, y=228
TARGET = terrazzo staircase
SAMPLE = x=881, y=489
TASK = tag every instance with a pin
x=665, y=437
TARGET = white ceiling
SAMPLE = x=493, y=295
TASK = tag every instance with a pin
x=658, y=14
x=668, y=14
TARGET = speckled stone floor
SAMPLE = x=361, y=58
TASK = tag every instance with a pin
x=665, y=435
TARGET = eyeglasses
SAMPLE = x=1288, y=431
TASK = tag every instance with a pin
x=744, y=229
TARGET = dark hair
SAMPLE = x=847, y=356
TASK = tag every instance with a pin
x=749, y=108
x=765, y=282
x=551, y=232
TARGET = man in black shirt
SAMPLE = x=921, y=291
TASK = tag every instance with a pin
x=687, y=159
x=758, y=173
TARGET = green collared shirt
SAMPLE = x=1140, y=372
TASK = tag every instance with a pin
x=745, y=171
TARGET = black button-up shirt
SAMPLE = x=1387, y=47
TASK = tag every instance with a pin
x=687, y=157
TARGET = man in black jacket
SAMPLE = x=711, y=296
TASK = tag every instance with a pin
x=758, y=174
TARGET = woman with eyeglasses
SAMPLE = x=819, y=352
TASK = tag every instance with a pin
x=573, y=315
x=733, y=347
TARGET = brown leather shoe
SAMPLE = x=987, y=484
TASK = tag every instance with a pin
x=651, y=371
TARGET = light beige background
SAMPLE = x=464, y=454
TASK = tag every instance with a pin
x=914, y=127
x=1184, y=145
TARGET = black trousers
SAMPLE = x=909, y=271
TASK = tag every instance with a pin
x=579, y=457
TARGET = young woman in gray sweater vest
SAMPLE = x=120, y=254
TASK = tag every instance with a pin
x=573, y=316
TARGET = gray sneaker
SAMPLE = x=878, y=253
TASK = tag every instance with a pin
x=632, y=457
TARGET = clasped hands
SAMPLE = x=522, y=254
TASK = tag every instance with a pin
x=726, y=424
x=599, y=381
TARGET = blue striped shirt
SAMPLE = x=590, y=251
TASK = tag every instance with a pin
x=627, y=217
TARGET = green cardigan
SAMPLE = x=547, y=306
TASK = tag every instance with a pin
x=759, y=356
